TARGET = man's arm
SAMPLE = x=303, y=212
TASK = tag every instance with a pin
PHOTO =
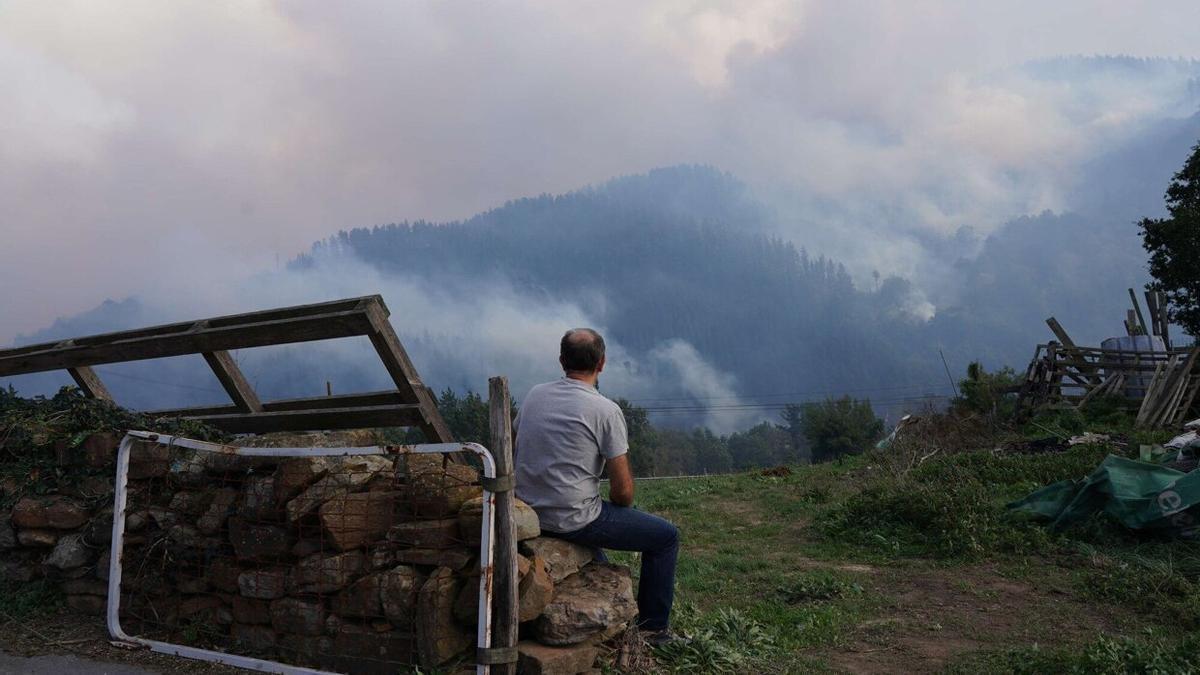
x=620, y=481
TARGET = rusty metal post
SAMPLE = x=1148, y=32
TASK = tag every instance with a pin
x=504, y=635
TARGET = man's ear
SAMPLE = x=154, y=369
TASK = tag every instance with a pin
x=600, y=366
x=561, y=364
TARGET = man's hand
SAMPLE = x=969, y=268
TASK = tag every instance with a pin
x=620, y=481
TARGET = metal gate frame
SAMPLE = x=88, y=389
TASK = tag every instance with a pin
x=484, y=626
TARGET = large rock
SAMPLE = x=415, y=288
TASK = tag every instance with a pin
x=258, y=541
x=8, y=537
x=594, y=602
x=432, y=490
x=320, y=573
x=218, y=510
x=37, y=538
x=454, y=558
x=100, y=449
x=54, y=512
x=264, y=584
x=391, y=594
x=426, y=533
x=18, y=571
x=364, y=650
x=343, y=476
x=297, y=473
x=222, y=574
x=439, y=638
x=250, y=610
x=562, y=557
x=84, y=587
x=70, y=552
x=352, y=520
x=299, y=616
x=148, y=460
x=190, y=503
x=258, y=498
x=536, y=590
x=470, y=520
x=91, y=605
x=537, y=659
x=254, y=638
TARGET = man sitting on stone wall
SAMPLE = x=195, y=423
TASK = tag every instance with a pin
x=566, y=433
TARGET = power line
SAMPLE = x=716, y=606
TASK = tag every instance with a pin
x=788, y=393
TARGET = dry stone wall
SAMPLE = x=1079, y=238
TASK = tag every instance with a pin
x=358, y=564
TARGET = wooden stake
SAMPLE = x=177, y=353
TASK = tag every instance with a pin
x=506, y=602
x=1141, y=320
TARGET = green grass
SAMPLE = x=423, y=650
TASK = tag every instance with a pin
x=809, y=560
x=22, y=601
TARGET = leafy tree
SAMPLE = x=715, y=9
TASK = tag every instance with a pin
x=1174, y=246
x=839, y=427
x=792, y=416
x=987, y=393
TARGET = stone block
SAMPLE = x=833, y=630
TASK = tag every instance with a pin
x=439, y=638
x=436, y=534
x=258, y=541
x=362, y=649
x=8, y=536
x=54, y=512
x=595, y=601
x=352, y=520
x=320, y=573
x=250, y=610
x=538, y=659
x=100, y=449
x=218, y=510
x=562, y=557
x=470, y=520
x=18, y=571
x=300, y=616
x=454, y=558
x=148, y=460
x=222, y=574
x=258, y=498
x=344, y=475
x=38, y=538
x=85, y=587
x=254, y=638
x=98, y=531
x=264, y=584
x=190, y=503
x=92, y=605
x=536, y=590
x=103, y=562
x=399, y=592
x=70, y=552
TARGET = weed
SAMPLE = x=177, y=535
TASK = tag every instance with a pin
x=729, y=644
x=820, y=585
x=20, y=602
x=1152, y=653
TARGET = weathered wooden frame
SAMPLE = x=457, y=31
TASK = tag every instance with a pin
x=410, y=404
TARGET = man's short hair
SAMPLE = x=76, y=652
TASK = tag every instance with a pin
x=581, y=350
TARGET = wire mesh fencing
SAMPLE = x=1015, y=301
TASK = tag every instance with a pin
x=362, y=563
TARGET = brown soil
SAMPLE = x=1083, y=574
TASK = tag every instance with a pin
x=933, y=616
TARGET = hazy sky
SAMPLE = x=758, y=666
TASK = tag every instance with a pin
x=142, y=143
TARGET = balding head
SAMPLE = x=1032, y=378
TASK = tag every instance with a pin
x=581, y=351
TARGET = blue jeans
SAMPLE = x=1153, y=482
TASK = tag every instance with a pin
x=622, y=528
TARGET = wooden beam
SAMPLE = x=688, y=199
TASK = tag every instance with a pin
x=90, y=383
x=315, y=420
x=1137, y=308
x=1164, y=321
x=235, y=384
x=1069, y=346
x=507, y=606
x=198, y=339
x=401, y=369
x=1152, y=309
x=376, y=398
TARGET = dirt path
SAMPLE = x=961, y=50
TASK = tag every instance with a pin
x=934, y=615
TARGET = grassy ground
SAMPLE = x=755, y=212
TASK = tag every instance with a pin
x=880, y=565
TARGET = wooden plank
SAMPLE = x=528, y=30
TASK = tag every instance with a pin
x=401, y=369
x=1164, y=321
x=226, y=321
x=369, y=399
x=234, y=382
x=506, y=604
x=1069, y=346
x=315, y=420
x=1152, y=308
x=90, y=383
x=198, y=340
x=1137, y=308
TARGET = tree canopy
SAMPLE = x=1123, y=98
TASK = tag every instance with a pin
x=1174, y=245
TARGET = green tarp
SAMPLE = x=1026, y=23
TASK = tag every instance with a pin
x=1141, y=495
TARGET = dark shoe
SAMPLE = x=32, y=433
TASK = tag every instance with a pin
x=663, y=638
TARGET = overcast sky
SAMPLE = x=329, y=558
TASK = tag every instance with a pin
x=144, y=142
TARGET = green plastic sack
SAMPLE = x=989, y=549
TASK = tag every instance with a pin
x=1141, y=495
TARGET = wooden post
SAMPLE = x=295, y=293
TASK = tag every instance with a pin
x=1137, y=309
x=505, y=600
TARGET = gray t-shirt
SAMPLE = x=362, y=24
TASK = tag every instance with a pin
x=565, y=432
